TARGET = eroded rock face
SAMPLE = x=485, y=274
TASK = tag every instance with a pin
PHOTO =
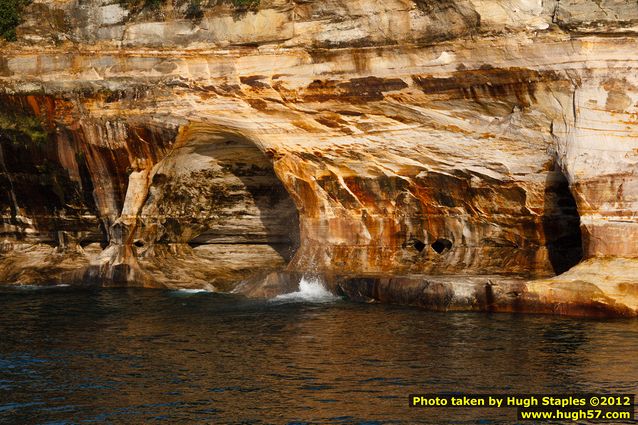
x=383, y=146
x=217, y=194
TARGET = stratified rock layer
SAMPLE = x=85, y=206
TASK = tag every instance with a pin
x=383, y=146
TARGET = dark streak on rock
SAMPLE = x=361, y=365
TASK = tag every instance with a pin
x=258, y=104
x=357, y=90
x=253, y=81
x=4, y=67
x=494, y=82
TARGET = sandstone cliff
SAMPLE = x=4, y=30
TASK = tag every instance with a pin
x=474, y=154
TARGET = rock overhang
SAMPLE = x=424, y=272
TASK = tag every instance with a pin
x=454, y=142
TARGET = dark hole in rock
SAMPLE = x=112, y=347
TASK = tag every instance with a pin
x=227, y=205
x=86, y=242
x=561, y=223
x=138, y=243
x=441, y=245
x=418, y=245
x=104, y=240
x=251, y=206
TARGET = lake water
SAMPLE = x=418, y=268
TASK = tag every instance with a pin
x=137, y=356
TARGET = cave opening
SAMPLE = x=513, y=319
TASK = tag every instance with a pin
x=441, y=245
x=218, y=194
x=418, y=245
x=247, y=203
x=561, y=223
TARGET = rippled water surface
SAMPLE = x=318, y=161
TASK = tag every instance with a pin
x=145, y=356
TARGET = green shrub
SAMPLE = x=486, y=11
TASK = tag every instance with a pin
x=141, y=4
x=153, y=4
x=245, y=3
x=10, y=17
x=194, y=10
x=16, y=127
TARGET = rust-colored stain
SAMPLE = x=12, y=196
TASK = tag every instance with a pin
x=356, y=90
x=222, y=89
x=519, y=83
x=258, y=104
x=254, y=81
x=334, y=121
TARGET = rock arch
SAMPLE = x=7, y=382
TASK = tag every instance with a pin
x=216, y=211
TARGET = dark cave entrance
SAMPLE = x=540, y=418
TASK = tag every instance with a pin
x=418, y=245
x=216, y=213
x=247, y=203
x=441, y=245
x=561, y=223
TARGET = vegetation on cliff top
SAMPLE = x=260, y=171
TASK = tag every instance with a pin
x=10, y=17
x=11, y=10
x=194, y=9
x=245, y=3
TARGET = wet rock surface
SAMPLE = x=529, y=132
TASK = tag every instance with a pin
x=408, y=143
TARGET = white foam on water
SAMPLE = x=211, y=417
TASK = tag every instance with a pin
x=208, y=288
x=30, y=287
x=192, y=291
x=310, y=290
x=38, y=287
